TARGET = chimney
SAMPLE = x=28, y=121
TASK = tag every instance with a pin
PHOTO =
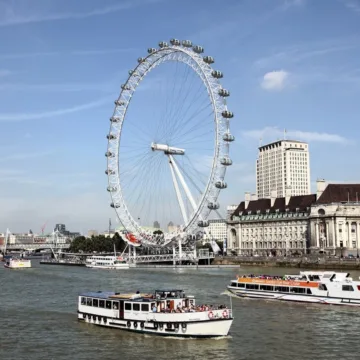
x=247, y=199
x=320, y=187
x=253, y=197
x=287, y=195
x=273, y=197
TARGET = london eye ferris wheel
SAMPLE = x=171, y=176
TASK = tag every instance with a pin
x=168, y=144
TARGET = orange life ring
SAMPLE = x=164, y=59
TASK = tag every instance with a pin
x=210, y=314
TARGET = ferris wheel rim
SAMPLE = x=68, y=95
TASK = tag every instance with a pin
x=128, y=89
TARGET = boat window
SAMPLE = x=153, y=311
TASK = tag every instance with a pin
x=108, y=304
x=252, y=286
x=266, y=287
x=95, y=302
x=308, y=291
x=145, y=307
x=297, y=290
x=347, y=288
x=241, y=285
x=233, y=284
x=282, y=288
x=83, y=301
x=316, y=277
x=322, y=287
x=127, y=306
x=136, y=307
x=102, y=303
x=115, y=305
x=89, y=301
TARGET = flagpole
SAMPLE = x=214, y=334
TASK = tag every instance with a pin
x=109, y=226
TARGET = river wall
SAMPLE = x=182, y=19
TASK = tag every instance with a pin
x=301, y=263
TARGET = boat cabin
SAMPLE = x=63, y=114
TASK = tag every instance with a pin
x=135, y=306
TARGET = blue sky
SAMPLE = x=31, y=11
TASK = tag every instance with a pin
x=288, y=63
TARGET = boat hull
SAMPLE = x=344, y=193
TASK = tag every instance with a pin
x=325, y=300
x=196, y=329
x=109, y=267
x=18, y=264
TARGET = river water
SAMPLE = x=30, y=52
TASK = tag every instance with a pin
x=38, y=319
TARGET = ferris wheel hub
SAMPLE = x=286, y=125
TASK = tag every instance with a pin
x=168, y=150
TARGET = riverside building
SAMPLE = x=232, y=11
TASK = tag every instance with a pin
x=325, y=222
x=280, y=165
x=217, y=230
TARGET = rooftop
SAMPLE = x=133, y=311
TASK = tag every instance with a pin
x=336, y=193
x=278, y=142
x=296, y=203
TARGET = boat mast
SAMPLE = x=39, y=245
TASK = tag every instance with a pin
x=6, y=240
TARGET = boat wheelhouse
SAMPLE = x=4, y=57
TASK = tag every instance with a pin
x=12, y=263
x=165, y=313
x=326, y=287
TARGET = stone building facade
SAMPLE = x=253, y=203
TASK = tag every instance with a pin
x=335, y=220
x=325, y=222
x=275, y=226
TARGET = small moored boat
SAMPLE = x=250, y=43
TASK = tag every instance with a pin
x=165, y=313
x=12, y=263
x=328, y=287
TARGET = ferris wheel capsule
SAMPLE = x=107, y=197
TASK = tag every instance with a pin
x=109, y=172
x=203, y=223
x=151, y=50
x=125, y=87
x=111, y=188
x=226, y=161
x=221, y=184
x=163, y=44
x=198, y=49
x=109, y=154
x=119, y=102
x=175, y=42
x=114, y=205
x=187, y=43
x=141, y=60
x=213, y=206
x=224, y=92
x=228, y=137
x=227, y=114
x=115, y=119
x=217, y=74
x=111, y=136
x=208, y=59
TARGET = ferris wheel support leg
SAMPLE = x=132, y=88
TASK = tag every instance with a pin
x=183, y=183
x=174, y=255
x=177, y=190
x=180, y=252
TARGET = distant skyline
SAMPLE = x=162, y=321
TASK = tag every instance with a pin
x=288, y=64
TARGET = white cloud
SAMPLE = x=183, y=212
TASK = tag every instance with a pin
x=275, y=80
x=24, y=156
x=13, y=18
x=353, y=5
x=292, y=3
x=49, y=114
x=273, y=133
x=85, y=52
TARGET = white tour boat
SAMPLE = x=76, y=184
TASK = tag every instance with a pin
x=106, y=262
x=11, y=263
x=165, y=313
x=328, y=287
